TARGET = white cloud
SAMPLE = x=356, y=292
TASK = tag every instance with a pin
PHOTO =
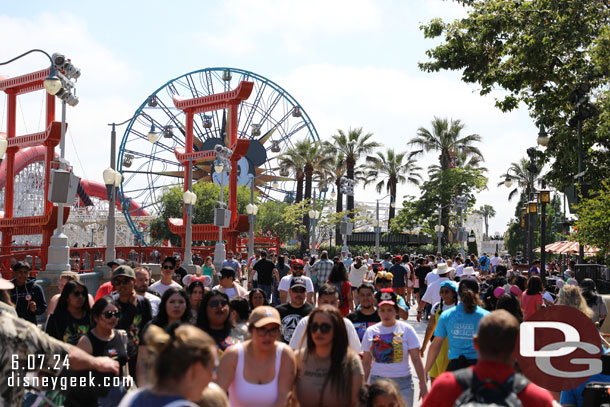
x=292, y=23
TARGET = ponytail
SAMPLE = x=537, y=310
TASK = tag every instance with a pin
x=469, y=294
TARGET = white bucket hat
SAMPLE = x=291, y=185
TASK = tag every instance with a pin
x=442, y=268
x=469, y=271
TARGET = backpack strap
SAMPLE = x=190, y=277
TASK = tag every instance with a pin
x=464, y=377
x=520, y=382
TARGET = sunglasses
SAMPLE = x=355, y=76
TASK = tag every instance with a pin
x=110, y=314
x=218, y=303
x=123, y=281
x=297, y=267
x=298, y=290
x=323, y=327
x=273, y=332
x=78, y=293
x=168, y=267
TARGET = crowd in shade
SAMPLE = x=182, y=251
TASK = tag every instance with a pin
x=285, y=331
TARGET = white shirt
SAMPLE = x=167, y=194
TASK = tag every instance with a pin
x=430, y=278
x=390, y=347
x=459, y=270
x=162, y=288
x=356, y=275
x=299, y=332
x=432, y=294
x=494, y=261
x=154, y=303
x=285, y=285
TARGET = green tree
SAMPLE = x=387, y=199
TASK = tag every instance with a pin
x=389, y=170
x=208, y=194
x=550, y=55
x=487, y=211
x=352, y=145
x=593, y=224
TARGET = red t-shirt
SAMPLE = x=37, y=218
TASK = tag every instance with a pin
x=446, y=389
x=103, y=290
x=528, y=304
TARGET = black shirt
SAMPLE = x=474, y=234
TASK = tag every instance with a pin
x=362, y=321
x=264, y=268
x=181, y=272
x=421, y=272
x=290, y=318
x=133, y=319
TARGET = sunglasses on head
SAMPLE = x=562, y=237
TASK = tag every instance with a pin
x=121, y=281
x=110, y=314
x=218, y=303
x=78, y=293
x=324, y=327
x=168, y=267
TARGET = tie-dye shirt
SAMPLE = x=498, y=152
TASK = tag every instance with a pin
x=389, y=346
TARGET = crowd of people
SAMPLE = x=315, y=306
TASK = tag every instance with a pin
x=308, y=332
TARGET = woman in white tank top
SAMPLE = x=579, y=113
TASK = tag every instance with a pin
x=259, y=372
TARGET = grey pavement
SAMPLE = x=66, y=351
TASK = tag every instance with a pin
x=420, y=329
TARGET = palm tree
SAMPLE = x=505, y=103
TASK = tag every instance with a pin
x=488, y=212
x=292, y=160
x=520, y=173
x=389, y=170
x=445, y=138
x=352, y=145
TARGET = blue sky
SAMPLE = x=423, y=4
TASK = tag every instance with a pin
x=348, y=63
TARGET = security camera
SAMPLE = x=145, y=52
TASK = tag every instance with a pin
x=58, y=59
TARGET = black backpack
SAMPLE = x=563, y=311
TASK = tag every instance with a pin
x=476, y=394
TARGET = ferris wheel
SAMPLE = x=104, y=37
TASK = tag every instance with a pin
x=271, y=118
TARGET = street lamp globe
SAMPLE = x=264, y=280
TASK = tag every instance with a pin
x=251, y=209
x=3, y=147
x=543, y=137
x=52, y=84
x=508, y=182
x=109, y=176
x=152, y=135
x=275, y=184
x=189, y=198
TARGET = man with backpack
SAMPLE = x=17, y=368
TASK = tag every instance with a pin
x=492, y=379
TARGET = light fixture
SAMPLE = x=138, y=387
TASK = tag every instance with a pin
x=393, y=204
x=543, y=137
x=439, y=228
x=545, y=196
x=189, y=197
x=333, y=194
x=118, y=178
x=275, y=184
x=471, y=238
x=508, y=182
x=109, y=176
x=3, y=147
x=532, y=207
x=52, y=84
x=313, y=214
x=152, y=135
x=218, y=166
x=251, y=209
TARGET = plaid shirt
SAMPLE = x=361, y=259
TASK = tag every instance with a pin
x=321, y=270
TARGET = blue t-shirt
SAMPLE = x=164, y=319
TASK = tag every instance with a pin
x=398, y=273
x=386, y=264
x=460, y=327
x=574, y=396
x=484, y=263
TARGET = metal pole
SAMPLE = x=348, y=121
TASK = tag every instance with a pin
x=111, y=223
x=462, y=206
x=581, y=248
x=377, y=228
x=251, y=221
x=313, y=226
x=62, y=153
x=219, y=251
x=188, y=253
x=530, y=236
x=542, y=241
x=439, y=234
x=345, y=248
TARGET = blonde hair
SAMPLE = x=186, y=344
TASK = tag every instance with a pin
x=382, y=387
x=176, y=351
x=213, y=396
x=571, y=296
x=70, y=275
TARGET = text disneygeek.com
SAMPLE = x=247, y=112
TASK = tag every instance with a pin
x=64, y=382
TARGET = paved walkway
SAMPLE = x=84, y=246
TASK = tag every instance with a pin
x=420, y=329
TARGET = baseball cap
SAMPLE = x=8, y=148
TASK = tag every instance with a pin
x=21, y=265
x=123, y=271
x=298, y=282
x=263, y=315
x=386, y=296
x=452, y=285
x=118, y=262
x=298, y=261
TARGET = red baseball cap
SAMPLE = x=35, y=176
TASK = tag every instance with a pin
x=298, y=261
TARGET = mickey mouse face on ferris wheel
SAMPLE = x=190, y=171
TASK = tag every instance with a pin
x=256, y=156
